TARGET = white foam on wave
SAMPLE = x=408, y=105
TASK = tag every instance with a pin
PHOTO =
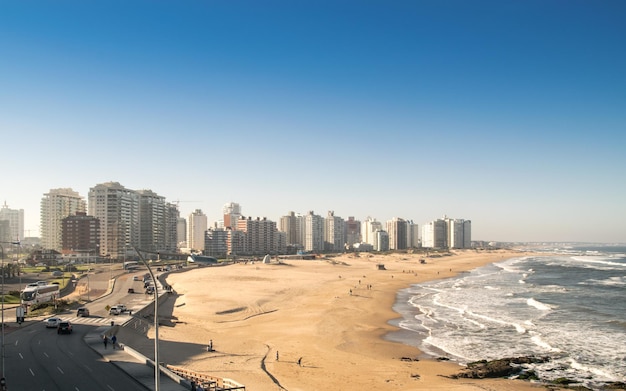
x=611, y=281
x=538, y=305
x=603, y=375
x=599, y=263
x=536, y=339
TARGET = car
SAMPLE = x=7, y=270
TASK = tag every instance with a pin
x=131, y=290
x=136, y=278
x=82, y=311
x=65, y=327
x=52, y=322
x=115, y=310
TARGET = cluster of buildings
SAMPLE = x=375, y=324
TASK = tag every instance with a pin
x=114, y=220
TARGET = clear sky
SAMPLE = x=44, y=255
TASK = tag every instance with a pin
x=511, y=114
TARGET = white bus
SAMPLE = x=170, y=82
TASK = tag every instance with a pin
x=131, y=265
x=39, y=294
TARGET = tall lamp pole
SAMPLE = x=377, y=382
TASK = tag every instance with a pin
x=2, y=378
x=157, y=369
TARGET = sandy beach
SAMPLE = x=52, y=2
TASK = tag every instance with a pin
x=333, y=313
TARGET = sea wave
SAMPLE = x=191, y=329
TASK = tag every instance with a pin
x=538, y=305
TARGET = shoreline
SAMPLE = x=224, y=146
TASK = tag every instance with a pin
x=335, y=313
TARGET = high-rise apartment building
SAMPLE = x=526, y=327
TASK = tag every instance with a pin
x=412, y=235
x=289, y=225
x=353, y=231
x=334, y=233
x=232, y=213
x=132, y=219
x=216, y=242
x=397, y=231
x=368, y=229
x=153, y=214
x=14, y=227
x=56, y=205
x=434, y=234
x=381, y=241
x=171, y=227
x=313, y=232
x=181, y=232
x=260, y=235
x=117, y=208
x=196, y=227
x=447, y=233
x=459, y=233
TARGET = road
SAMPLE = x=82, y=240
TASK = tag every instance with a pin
x=37, y=358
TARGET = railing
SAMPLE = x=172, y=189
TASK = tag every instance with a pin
x=208, y=382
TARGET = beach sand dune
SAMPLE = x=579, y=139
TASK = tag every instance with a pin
x=332, y=314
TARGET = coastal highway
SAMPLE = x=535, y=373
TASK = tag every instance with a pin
x=37, y=358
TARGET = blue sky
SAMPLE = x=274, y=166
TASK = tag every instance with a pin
x=509, y=113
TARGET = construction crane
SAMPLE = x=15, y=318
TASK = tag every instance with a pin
x=177, y=202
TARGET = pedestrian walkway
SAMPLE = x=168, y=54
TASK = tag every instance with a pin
x=134, y=363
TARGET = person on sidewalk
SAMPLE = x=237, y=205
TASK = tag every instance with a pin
x=113, y=341
x=105, y=340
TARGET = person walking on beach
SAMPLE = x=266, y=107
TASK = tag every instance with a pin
x=105, y=340
x=300, y=362
x=277, y=355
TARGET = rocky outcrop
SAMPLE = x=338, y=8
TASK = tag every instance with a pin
x=504, y=367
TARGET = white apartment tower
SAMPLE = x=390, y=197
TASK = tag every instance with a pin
x=15, y=222
x=434, y=234
x=196, y=227
x=368, y=230
x=117, y=208
x=314, y=232
x=334, y=233
x=56, y=205
x=459, y=233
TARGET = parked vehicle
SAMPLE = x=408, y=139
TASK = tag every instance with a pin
x=65, y=327
x=82, y=311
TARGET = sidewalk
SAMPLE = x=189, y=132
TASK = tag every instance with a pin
x=134, y=363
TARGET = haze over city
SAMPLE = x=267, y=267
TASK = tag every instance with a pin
x=508, y=114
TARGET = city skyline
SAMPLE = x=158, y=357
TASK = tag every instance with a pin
x=511, y=115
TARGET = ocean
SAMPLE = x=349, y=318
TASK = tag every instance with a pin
x=570, y=307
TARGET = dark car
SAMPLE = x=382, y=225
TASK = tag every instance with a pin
x=82, y=311
x=131, y=290
x=65, y=327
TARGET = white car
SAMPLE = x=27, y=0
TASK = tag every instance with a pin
x=52, y=322
x=117, y=309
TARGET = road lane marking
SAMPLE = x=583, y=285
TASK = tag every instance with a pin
x=31, y=372
x=22, y=357
x=63, y=373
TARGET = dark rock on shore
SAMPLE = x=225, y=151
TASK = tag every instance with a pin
x=504, y=367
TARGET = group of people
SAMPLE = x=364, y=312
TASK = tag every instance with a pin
x=105, y=340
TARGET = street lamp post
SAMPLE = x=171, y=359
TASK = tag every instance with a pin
x=2, y=378
x=157, y=369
